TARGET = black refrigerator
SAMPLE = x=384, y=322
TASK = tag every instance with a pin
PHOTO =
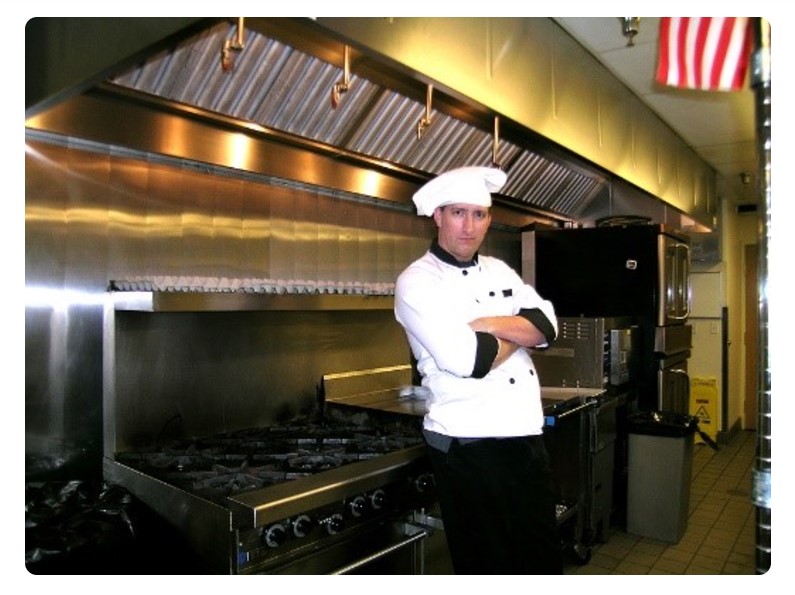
x=635, y=270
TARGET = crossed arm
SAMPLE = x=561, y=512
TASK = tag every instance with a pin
x=511, y=332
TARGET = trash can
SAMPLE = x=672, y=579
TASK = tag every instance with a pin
x=658, y=482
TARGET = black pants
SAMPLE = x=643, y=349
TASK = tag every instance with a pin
x=498, y=506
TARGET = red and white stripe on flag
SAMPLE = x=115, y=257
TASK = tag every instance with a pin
x=708, y=53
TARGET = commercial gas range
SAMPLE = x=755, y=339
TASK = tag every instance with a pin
x=314, y=498
x=320, y=492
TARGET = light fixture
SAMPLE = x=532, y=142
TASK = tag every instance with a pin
x=629, y=28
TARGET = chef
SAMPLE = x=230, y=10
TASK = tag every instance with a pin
x=471, y=323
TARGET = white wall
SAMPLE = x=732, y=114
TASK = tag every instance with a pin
x=706, y=360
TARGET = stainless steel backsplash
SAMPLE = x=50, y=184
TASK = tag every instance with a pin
x=94, y=216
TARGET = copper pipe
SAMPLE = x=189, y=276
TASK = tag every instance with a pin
x=342, y=87
x=237, y=45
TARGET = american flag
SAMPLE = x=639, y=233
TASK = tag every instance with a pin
x=708, y=53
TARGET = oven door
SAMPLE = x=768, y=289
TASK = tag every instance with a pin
x=673, y=384
x=396, y=547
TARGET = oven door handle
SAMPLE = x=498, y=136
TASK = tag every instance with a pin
x=410, y=539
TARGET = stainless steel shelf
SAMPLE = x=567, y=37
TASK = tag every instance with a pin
x=165, y=301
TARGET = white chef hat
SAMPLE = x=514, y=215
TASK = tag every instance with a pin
x=468, y=185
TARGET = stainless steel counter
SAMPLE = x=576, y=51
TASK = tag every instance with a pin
x=407, y=401
x=411, y=400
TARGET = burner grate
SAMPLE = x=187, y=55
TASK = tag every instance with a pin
x=220, y=466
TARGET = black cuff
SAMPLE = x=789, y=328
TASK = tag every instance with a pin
x=539, y=320
x=488, y=347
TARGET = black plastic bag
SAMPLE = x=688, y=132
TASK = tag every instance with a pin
x=666, y=423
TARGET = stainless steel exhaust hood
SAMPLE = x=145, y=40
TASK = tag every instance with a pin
x=286, y=91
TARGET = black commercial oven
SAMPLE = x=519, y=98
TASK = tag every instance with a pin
x=638, y=270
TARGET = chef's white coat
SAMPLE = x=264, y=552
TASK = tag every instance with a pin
x=434, y=302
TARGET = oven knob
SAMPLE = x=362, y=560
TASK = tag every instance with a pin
x=378, y=499
x=424, y=483
x=275, y=535
x=333, y=524
x=357, y=506
x=302, y=525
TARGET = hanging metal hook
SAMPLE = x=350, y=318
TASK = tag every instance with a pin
x=342, y=87
x=229, y=46
x=426, y=120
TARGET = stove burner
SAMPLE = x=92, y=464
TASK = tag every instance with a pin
x=317, y=462
x=220, y=466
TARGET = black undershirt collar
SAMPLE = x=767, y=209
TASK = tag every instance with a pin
x=448, y=258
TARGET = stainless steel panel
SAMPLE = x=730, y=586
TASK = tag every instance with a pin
x=389, y=401
x=384, y=389
x=570, y=90
x=386, y=548
x=673, y=384
x=359, y=382
x=622, y=355
x=575, y=102
x=65, y=56
x=589, y=352
x=257, y=508
x=200, y=521
x=243, y=302
x=205, y=141
x=669, y=340
x=281, y=92
x=95, y=215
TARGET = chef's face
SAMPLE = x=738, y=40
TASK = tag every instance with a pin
x=462, y=228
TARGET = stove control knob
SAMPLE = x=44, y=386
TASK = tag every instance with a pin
x=302, y=525
x=275, y=535
x=424, y=483
x=334, y=524
x=378, y=499
x=357, y=506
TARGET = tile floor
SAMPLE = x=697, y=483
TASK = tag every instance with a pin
x=720, y=533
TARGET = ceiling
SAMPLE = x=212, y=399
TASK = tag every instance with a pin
x=719, y=126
